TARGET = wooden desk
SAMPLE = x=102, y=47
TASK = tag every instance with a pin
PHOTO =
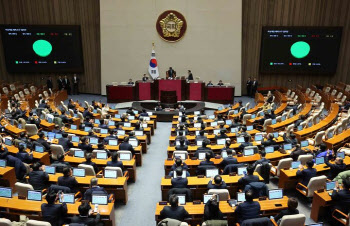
x=319, y=202
x=116, y=186
x=196, y=211
x=43, y=157
x=32, y=209
x=102, y=163
x=198, y=186
x=226, y=110
x=8, y=177
x=47, y=125
x=338, y=140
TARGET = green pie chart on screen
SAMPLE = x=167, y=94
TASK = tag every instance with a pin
x=42, y=48
x=300, y=49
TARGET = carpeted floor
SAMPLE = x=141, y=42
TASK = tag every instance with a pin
x=145, y=192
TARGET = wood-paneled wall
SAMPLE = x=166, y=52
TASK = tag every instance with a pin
x=61, y=12
x=258, y=13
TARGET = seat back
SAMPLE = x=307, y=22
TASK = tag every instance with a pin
x=247, y=105
x=71, y=112
x=292, y=95
x=179, y=191
x=312, y=93
x=327, y=89
x=289, y=129
x=56, y=188
x=340, y=94
x=214, y=222
x=334, y=92
x=246, y=117
x=22, y=189
x=284, y=164
x=31, y=129
x=80, y=116
x=279, y=119
x=304, y=158
x=37, y=223
x=125, y=152
x=295, y=220
x=118, y=169
x=21, y=94
x=288, y=92
x=315, y=184
x=12, y=87
x=5, y=90
x=89, y=170
x=307, y=91
x=223, y=193
x=267, y=123
x=5, y=222
x=55, y=150
x=318, y=138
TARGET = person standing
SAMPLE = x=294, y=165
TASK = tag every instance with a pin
x=254, y=87
x=249, y=87
x=190, y=76
x=49, y=83
x=60, y=83
x=66, y=84
x=75, y=82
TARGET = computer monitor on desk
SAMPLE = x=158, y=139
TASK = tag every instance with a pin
x=275, y=194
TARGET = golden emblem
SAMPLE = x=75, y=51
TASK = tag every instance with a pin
x=171, y=25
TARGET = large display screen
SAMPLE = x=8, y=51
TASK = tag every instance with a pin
x=300, y=50
x=42, y=48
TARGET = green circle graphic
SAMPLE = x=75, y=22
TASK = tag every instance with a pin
x=300, y=49
x=42, y=48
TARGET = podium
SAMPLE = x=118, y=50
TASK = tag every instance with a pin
x=168, y=97
x=195, y=90
x=177, y=85
x=144, y=90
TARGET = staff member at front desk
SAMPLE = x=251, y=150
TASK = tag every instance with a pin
x=130, y=82
x=144, y=78
x=210, y=83
x=220, y=83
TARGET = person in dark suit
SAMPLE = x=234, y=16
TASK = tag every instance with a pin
x=88, y=157
x=65, y=142
x=115, y=161
x=171, y=73
x=23, y=155
x=49, y=83
x=341, y=197
x=222, y=134
x=179, y=182
x=37, y=177
x=41, y=140
x=131, y=82
x=174, y=211
x=182, y=145
x=20, y=169
x=218, y=183
x=229, y=159
x=126, y=146
x=291, y=139
x=3, y=150
x=236, y=123
x=54, y=213
x=210, y=83
x=75, y=81
x=87, y=113
x=143, y=113
x=249, y=87
x=60, y=164
x=262, y=160
x=212, y=210
x=144, y=78
x=93, y=188
x=71, y=104
x=306, y=174
x=206, y=161
x=204, y=148
x=220, y=83
x=249, y=209
x=270, y=140
x=85, y=216
x=179, y=163
x=246, y=143
x=84, y=145
x=336, y=168
x=292, y=209
x=60, y=83
x=250, y=177
x=111, y=136
x=201, y=135
x=190, y=76
x=254, y=87
x=297, y=152
x=66, y=84
x=67, y=180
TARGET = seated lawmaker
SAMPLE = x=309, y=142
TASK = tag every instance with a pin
x=41, y=140
x=171, y=74
x=220, y=83
x=52, y=212
x=60, y=164
x=262, y=159
x=88, y=157
x=38, y=178
x=218, y=183
x=65, y=142
x=297, y=152
x=3, y=150
x=229, y=159
x=204, y=148
x=23, y=155
x=292, y=209
x=84, y=145
x=291, y=139
x=125, y=146
x=270, y=140
x=249, y=209
x=246, y=143
x=20, y=169
x=94, y=188
x=179, y=182
x=174, y=211
x=179, y=163
x=85, y=216
x=201, y=135
x=212, y=210
x=250, y=177
x=308, y=173
x=131, y=82
x=182, y=145
x=335, y=168
x=68, y=180
x=222, y=135
x=116, y=161
x=206, y=161
x=341, y=197
x=236, y=123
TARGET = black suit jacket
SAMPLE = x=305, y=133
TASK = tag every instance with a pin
x=44, y=143
x=126, y=146
x=179, y=182
x=38, y=179
x=60, y=83
x=89, y=221
x=85, y=147
x=66, y=143
x=335, y=169
x=342, y=200
x=49, y=84
x=178, y=213
x=214, y=186
x=190, y=76
x=54, y=213
x=70, y=182
x=206, y=163
x=228, y=160
x=306, y=175
x=90, y=163
x=66, y=83
x=77, y=82
x=116, y=164
x=243, y=181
